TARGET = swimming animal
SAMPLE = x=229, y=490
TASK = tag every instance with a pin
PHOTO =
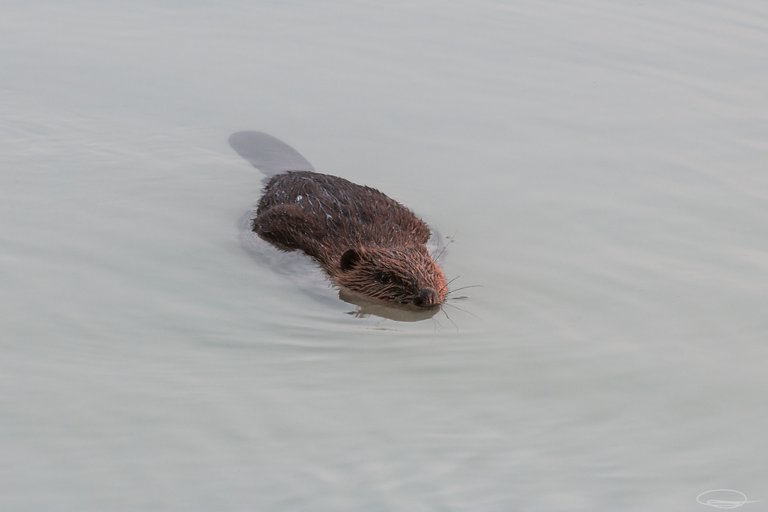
x=366, y=242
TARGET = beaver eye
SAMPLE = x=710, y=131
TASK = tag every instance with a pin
x=384, y=277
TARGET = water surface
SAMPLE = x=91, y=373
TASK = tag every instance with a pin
x=600, y=166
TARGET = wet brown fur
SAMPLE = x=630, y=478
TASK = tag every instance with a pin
x=365, y=241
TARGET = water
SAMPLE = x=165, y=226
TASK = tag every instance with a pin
x=600, y=166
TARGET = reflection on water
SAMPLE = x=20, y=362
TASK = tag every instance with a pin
x=600, y=166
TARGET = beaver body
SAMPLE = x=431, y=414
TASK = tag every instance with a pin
x=365, y=241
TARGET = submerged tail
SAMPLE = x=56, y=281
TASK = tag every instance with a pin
x=268, y=154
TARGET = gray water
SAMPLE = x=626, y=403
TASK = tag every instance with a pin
x=601, y=170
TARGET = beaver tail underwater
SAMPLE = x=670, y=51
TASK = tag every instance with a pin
x=267, y=153
x=366, y=242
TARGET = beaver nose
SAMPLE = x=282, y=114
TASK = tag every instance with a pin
x=426, y=297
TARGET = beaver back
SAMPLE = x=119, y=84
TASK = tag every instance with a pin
x=317, y=212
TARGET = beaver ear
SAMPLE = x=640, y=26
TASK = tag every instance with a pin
x=349, y=259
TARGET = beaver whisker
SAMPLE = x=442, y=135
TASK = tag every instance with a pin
x=461, y=309
x=464, y=288
x=448, y=283
x=440, y=254
x=445, y=247
x=445, y=286
x=450, y=319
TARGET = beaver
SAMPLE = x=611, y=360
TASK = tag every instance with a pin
x=366, y=242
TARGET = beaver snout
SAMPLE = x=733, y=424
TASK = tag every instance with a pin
x=426, y=298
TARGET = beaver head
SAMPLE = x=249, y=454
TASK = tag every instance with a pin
x=404, y=276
